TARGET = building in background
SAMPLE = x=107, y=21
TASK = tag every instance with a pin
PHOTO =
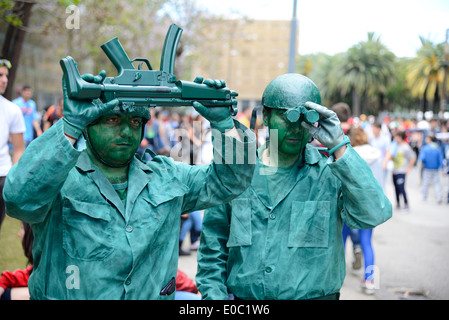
x=248, y=54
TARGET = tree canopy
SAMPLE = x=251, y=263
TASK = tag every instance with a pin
x=370, y=78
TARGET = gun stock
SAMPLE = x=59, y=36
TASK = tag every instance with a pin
x=77, y=88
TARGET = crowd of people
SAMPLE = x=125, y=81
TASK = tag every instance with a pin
x=392, y=147
x=413, y=143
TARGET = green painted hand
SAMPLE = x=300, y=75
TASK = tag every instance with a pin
x=78, y=114
x=329, y=131
x=219, y=117
x=210, y=82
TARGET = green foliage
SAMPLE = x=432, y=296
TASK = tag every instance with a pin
x=370, y=78
x=425, y=72
x=7, y=14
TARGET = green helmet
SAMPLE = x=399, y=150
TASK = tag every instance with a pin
x=290, y=92
x=129, y=108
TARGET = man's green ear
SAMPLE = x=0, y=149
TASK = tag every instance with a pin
x=265, y=117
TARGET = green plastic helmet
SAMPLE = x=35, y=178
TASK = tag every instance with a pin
x=290, y=90
x=129, y=108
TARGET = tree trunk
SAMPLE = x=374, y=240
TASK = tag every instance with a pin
x=424, y=100
x=355, y=103
x=381, y=106
x=364, y=102
x=12, y=45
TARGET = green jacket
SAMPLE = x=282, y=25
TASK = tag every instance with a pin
x=293, y=248
x=87, y=244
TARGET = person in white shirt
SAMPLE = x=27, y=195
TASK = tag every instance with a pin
x=12, y=127
x=381, y=142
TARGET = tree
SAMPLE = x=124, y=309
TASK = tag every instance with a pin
x=140, y=25
x=425, y=74
x=398, y=95
x=18, y=16
x=198, y=27
x=365, y=71
x=317, y=67
x=20, y=20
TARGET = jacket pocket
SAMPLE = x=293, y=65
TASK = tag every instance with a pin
x=162, y=201
x=159, y=194
x=87, y=234
x=309, y=224
x=240, y=229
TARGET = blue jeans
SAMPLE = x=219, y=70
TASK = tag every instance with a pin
x=353, y=233
x=184, y=295
x=399, y=187
x=429, y=176
x=364, y=237
x=193, y=224
x=368, y=252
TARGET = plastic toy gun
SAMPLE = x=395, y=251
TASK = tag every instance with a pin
x=137, y=87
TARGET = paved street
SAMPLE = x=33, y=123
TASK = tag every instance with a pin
x=411, y=250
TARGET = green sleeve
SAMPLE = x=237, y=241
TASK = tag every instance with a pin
x=229, y=174
x=213, y=254
x=364, y=205
x=34, y=182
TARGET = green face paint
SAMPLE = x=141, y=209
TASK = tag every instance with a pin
x=291, y=137
x=115, y=139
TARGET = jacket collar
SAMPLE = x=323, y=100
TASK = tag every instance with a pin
x=259, y=187
x=138, y=171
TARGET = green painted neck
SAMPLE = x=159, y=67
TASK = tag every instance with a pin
x=114, y=175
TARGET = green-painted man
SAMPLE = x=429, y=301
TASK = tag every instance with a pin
x=282, y=237
x=106, y=224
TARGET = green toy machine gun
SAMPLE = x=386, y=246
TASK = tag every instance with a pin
x=137, y=87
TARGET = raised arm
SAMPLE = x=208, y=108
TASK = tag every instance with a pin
x=363, y=203
x=34, y=182
x=213, y=254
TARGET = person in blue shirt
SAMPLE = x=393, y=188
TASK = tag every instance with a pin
x=30, y=115
x=432, y=161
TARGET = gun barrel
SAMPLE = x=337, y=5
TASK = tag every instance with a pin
x=175, y=102
x=115, y=52
x=139, y=93
x=77, y=88
x=181, y=94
